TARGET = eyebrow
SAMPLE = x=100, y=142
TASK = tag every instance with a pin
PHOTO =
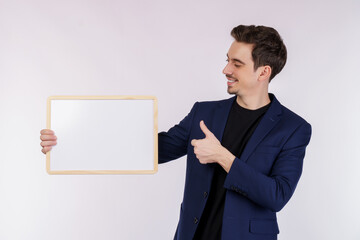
x=235, y=59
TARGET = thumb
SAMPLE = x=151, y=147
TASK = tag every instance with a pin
x=205, y=130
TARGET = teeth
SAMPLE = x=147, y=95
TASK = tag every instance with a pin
x=231, y=81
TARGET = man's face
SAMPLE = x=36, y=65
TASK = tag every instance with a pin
x=242, y=79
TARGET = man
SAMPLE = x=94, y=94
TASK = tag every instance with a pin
x=234, y=188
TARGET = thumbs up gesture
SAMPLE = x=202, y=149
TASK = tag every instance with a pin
x=210, y=150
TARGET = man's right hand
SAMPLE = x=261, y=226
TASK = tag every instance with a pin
x=48, y=140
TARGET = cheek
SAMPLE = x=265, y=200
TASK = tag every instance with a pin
x=241, y=73
x=246, y=77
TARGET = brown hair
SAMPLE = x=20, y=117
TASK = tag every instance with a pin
x=268, y=49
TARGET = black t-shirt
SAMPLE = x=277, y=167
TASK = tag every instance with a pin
x=240, y=126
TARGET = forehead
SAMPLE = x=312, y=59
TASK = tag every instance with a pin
x=241, y=50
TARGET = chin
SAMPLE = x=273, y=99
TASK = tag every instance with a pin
x=231, y=91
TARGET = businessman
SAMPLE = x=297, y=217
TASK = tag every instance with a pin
x=244, y=154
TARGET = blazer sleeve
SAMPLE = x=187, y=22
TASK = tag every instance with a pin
x=173, y=143
x=272, y=191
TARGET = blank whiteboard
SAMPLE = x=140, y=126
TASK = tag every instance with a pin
x=103, y=135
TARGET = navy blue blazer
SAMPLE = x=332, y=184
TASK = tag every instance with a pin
x=260, y=181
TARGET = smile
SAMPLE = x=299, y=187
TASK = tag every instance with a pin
x=231, y=81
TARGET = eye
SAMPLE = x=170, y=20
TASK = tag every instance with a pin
x=237, y=65
x=227, y=60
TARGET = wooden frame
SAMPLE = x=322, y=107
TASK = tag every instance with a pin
x=72, y=114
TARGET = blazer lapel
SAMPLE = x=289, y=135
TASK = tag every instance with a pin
x=217, y=127
x=221, y=115
x=268, y=122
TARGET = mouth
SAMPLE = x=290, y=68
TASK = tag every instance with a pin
x=231, y=81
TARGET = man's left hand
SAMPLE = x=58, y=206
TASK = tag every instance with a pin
x=210, y=150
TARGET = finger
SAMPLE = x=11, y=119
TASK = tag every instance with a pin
x=48, y=143
x=196, y=150
x=46, y=149
x=205, y=130
x=193, y=142
x=47, y=132
x=48, y=137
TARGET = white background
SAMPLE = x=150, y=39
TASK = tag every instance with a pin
x=174, y=50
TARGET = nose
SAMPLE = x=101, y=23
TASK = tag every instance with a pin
x=226, y=70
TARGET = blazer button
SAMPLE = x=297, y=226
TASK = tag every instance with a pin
x=196, y=220
x=205, y=194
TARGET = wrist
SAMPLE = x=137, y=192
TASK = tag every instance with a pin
x=226, y=160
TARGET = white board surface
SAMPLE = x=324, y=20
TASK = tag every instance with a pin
x=103, y=135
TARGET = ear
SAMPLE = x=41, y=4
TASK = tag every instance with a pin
x=265, y=73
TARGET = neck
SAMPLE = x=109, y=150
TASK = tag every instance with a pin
x=253, y=102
